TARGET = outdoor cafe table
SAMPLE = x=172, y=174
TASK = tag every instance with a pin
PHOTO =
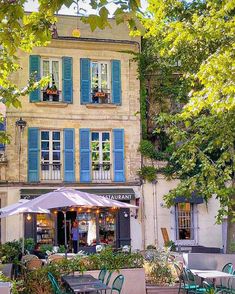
x=83, y=283
x=211, y=274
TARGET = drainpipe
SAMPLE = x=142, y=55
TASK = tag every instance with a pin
x=155, y=221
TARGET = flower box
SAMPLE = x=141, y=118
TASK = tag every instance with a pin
x=52, y=92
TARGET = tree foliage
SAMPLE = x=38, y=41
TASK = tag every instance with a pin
x=199, y=34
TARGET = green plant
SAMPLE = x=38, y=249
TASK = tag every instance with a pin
x=17, y=285
x=10, y=251
x=171, y=245
x=46, y=247
x=29, y=244
x=61, y=249
x=158, y=268
x=148, y=173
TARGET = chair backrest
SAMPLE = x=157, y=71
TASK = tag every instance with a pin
x=28, y=257
x=56, y=259
x=228, y=268
x=108, y=278
x=102, y=274
x=55, y=256
x=117, y=284
x=188, y=276
x=33, y=264
x=54, y=284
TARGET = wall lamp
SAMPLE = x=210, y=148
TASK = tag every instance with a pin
x=21, y=124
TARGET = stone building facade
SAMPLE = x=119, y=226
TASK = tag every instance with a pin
x=84, y=135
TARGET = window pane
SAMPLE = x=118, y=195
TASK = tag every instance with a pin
x=184, y=221
x=45, y=135
x=95, y=146
x=45, y=145
x=94, y=77
x=56, y=135
x=56, y=145
x=106, y=146
x=45, y=68
x=106, y=156
x=95, y=136
x=55, y=72
x=105, y=136
x=45, y=155
x=56, y=155
x=95, y=156
x=104, y=76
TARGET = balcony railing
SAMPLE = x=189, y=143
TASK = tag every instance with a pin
x=51, y=171
x=101, y=97
x=101, y=172
x=51, y=95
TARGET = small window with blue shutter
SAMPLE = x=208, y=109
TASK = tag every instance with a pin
x=60, y=73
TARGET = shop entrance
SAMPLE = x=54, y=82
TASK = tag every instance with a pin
x=70, y=218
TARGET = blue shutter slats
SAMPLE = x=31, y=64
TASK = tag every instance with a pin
x=34, y=70
x=69, y=157
x=118, y=154
x=116, y=82
x=85, y=166
x=33, y=154
x=67, y=78
x=85, y=80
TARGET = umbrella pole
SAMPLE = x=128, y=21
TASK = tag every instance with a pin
x=65, y=234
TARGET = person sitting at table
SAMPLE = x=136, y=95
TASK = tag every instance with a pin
x=38, y=252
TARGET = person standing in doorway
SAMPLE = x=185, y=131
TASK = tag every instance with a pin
x=74, y=234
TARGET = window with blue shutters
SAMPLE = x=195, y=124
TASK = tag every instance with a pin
x=118, y=155
x=100, y=81
x=2, y=129
x=60, y=72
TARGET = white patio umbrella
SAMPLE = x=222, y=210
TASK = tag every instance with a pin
x=63, y=198
x=19, y=208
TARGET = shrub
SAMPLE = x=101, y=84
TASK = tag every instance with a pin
x=46, y=247
x=10, y=251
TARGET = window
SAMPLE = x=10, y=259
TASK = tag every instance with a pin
x=184, y=221
x=50, y=155
x=100, y=82
x=101, y=160
x=52, y=67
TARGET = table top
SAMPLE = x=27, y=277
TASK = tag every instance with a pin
x=84, y=283
x=211, y=274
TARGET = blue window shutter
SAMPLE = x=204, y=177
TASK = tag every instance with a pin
x=85, y=165
x=67, y=71
x=116, y=82
x=2, y=130
x=33, y=154
x=118, y=154
x=34, y=71
x=85, y=80
x=69, y=159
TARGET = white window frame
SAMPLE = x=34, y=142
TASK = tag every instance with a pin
x=51, y=161
x=51, y=59
x=100, y=146
x=99, y=62
x=194, y=225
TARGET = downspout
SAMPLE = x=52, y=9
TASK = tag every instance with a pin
x=155, y=221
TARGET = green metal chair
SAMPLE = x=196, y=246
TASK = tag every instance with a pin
x=102, y=274
x=55, y=285
x=228, y=268
x=117, y=284
x=108, y=278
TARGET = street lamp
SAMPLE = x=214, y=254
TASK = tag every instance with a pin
x=21, y=124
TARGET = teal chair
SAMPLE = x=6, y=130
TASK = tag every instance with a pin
x=55, y=285
x=102, y=274
x=186, y=283
x=108, y=278
x=228, y=268
x=117, y=284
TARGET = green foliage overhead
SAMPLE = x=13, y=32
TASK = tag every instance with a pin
x=148, y=173
x=199, y=34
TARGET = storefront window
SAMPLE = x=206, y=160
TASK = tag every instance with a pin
x=96, y=228
x=45, y=229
